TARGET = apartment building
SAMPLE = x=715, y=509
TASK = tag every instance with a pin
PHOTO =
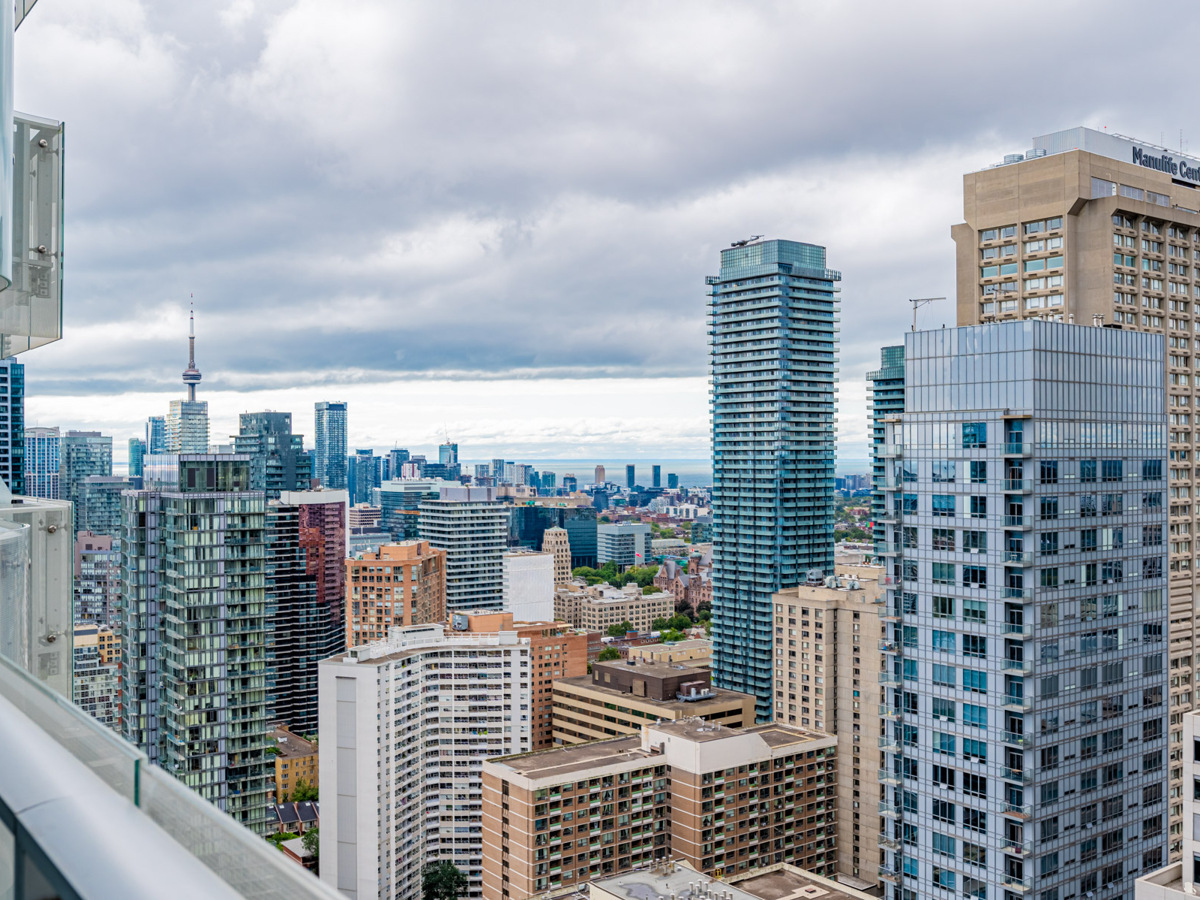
x=1091, y=227
x=295, y=761
x=1177, y=881
x=471, y=526
x=1025, y=670
x=528, y=584
x=722, y=800
x=595, y=608
x=621, y=696
x=828, y=658
x=403, y=584
x=555, y=652
x=94, y=674
x=97, y=584
x=406, y=724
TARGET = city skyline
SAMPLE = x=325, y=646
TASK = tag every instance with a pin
x=419, y=325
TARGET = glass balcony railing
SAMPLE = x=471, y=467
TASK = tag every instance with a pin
x=94, y=819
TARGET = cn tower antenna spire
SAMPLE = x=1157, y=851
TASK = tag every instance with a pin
x=191, y=375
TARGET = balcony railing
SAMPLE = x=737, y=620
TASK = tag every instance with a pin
x=96, y=820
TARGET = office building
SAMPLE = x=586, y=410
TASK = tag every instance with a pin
x=277, y=458
x=625, y=543
x=396, y=458
x=98, y=503
x=630, y=476
x=555, y=652
x=672, y=481
x=94, y=657
x=885, y=398
x=549, y=481
x=400, y=504
x=599, y=478
x=773, y=433
x=400, y=585
x=12, y=425
x=156, y=435
x=186, y=427
x=471, y=525
x=137, y=452
x=528, y=585
x=296, y=760
x=97, y=583
x=195, y=652
x=1177, y=880
x=482, y=470
x=557, y=542
x=621, y=696
x=1092, y=227
x=83, y=454
x=42, y=449
x=723, y=800
x=656, y=476
x=1025, y=671
x=599, y=607
x=448, y=454
x=839, y=693
x=696, y=653
x=406, y=724
x=365, y=516
x=364, y=474
x=305, y=588
x=329, y=437
x=570, y=483
x=529, y=521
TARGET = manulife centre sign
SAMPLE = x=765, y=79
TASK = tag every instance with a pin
x=1182, y=168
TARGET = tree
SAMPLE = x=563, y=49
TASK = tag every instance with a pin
x=312, y=843
x=651, y=589
x=442, y=881
x=670, y=636
x=679, y=622
x=620, y=630
x=304, y=791
x=609, y=653
x=660, y=625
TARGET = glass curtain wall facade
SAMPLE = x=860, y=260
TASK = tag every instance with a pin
x=83, y=454
x=12, y=425
x=329, y=436
x=773, y=346
x=277, y=458
x=1025, y=670
x=42, y=447
x=885, y=398
x=196, y=630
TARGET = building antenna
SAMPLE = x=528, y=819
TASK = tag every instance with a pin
x=917, y=303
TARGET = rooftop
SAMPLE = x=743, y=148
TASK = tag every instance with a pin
x=681, y=881
x=714, y=696
x=291, y=745
x=790, y=883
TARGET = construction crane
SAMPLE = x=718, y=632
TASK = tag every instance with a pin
x=917, y=303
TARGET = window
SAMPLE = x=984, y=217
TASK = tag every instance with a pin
x=943, y=743
x=975, y=610
x=942, y=505
x=974, y=645
x=943, y=539
x=943, y=471
x=974, y=576
x=944, y=878
x=943, y=607
x=943, y=776
x=974, y=751
x=944, y=845
x=1048, y=508
x=974, y=680
x=979, y=507
x=974, y=435
x=978, y=472
x=1152, y=470
x=944, y=811
x=975, y=541
x=975, y=716
x=1049, y=471
x=944, y=641
x=945, y=710
x=944, y=675
x=943, y=573
x=975, y=785
x=975, y=820
x=1112, y=470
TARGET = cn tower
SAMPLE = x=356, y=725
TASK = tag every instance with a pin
x=191, y=375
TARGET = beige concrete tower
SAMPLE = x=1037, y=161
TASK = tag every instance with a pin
x=1099, y=229
x=556, y=541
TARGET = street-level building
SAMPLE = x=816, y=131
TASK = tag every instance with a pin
x=598, y=607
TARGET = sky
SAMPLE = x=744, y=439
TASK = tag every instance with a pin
x=493, y=221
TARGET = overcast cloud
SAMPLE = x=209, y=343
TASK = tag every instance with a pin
x=495, y=219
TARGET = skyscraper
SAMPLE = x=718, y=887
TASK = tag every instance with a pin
x=156, y=434
x=656, y=476
x=672, y=481
x=1025, y=671
x=137, y=451
x=186, y=425
x=1088, y=226
x=195, y=651
x=599, y=479
x=305, y=582
x=42, y=449
x=12, y=425
x=83, y=454
x=448, y=454
x=885, y=398
x=277, y=458
x=773, y=434
x=471, y=525
x=630, y=476
x=364, y=473
x=98, y=504
x=329, y=436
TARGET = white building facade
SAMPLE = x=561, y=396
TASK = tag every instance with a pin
x=471, y=525
x=406, y=724
x=529, y=586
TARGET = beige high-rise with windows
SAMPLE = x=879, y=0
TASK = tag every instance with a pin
x=827, y=660
x=1099, y=229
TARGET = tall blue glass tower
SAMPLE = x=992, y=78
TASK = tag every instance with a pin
x=885, y=399
x=773, y=345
